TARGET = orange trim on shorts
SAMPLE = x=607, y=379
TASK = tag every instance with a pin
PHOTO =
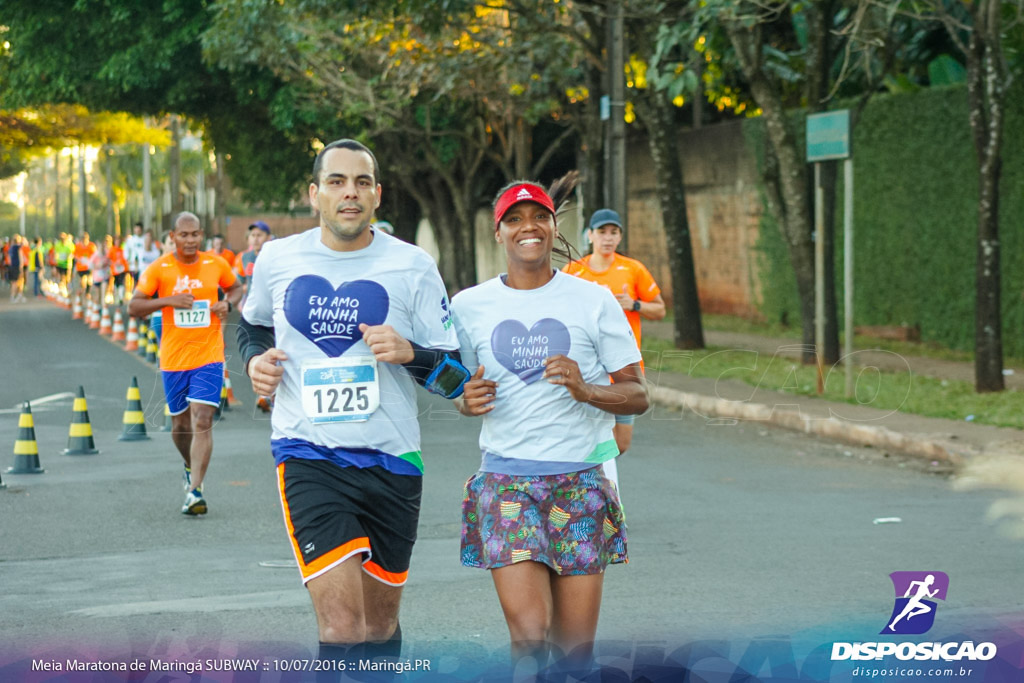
x=325, y=561
x=384, y=576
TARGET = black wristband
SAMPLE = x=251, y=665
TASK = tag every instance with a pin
x=636, y=305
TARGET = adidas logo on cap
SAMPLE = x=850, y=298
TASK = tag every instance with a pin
x=523, y=194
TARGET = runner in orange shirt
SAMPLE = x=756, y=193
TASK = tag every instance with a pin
x=184, y=283
x=219, y=247
x=118, y=268
x=632, y=285
x=84, y=251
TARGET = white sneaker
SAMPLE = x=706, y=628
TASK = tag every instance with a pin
x=194, y=504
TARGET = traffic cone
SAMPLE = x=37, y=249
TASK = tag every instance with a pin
x=117, y=333
x=76, y=308
x=80, y=440
x=225, y=404
x=105, y=329
x=168, y=424
x=26, y=451
x=94, y=315
x=143, y=337
x=134, y=421
x=232, y=401
x=151, y=347
x=131, y=342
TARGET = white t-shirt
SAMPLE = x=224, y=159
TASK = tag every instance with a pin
x=133, y=247
x=536, y=427
x=315, y=298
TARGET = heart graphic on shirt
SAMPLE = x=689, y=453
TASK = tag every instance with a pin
x=522, y=351
x=330, y=316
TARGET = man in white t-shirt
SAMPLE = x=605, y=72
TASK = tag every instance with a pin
x=341, y=322
x=133, y=246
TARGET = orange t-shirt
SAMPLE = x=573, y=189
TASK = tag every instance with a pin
x=182, y=347
x=84, y=252
x=225, y=254
x=118, y=264
x=623, y=275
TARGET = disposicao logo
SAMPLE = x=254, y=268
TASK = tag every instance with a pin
x=913, y=614
x=914, y=611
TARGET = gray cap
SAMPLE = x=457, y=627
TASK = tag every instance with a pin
x=605, y=217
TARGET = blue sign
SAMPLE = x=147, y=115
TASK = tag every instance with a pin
x=828, y=135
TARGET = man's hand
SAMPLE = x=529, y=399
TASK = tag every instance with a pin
x=265, y=371
x=183, y=300
x=220, y=309
x=478, y=395
x=387, y=345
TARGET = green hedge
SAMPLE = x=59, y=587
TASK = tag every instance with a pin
x=915, y=224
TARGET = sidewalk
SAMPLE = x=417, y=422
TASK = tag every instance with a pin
x=952, y=442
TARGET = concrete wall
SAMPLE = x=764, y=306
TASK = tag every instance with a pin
x=723, y=208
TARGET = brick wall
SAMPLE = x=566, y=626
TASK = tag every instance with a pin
x=723, y=208
x=282, y=225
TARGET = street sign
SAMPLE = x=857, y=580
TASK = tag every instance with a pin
x=828, y=135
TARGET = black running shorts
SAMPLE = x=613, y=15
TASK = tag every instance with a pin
x=334, y=512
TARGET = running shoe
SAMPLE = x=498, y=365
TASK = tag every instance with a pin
x=194, y=504
x=264, y=404
x=186, y=479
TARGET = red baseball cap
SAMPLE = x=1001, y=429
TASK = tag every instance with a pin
x=523, y=192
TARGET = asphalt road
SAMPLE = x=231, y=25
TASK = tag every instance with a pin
x=736, y=532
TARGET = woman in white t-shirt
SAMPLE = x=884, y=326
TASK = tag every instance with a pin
x=540, y=514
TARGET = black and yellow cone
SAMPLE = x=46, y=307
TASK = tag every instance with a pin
x=143, y=338
x=151, y=347
x=80, y=434
x=225, y=405
x=26, y=451
x=168, y=423
x=134, y=421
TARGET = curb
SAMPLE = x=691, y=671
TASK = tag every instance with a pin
x=918, y=445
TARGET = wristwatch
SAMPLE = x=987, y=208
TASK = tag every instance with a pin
x=636, y=305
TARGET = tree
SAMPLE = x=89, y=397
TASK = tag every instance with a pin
x=145, y=58
x=986, y=33
x=447, y=105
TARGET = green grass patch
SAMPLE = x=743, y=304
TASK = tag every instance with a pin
x=926, y=349
x=901, y=391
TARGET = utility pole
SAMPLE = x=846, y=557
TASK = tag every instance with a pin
x=615, y=149
x=147, y=188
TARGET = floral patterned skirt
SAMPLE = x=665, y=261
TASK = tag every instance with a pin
x=571, y=522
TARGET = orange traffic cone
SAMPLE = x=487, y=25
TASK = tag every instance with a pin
x=80, y=440
x=26, y=452
x=131, y=343
x=117, y=334
x=76, y=308
x=105, y=329
x=232, y=401
x=94, y=315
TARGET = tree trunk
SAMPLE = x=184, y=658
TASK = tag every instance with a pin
x=986, y=92
x=453, y=230
x=668, y=171
x=790, y=209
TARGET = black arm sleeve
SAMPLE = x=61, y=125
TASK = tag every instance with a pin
x=425, y=360
x=253, y=340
